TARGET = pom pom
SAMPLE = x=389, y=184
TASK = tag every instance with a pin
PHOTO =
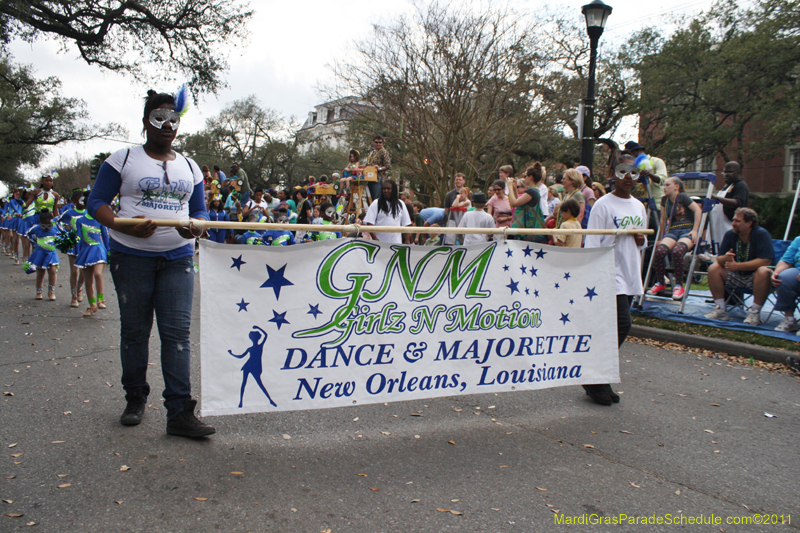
x=182, y=100
x=28, y=267
x=65, y=241
x=643, y=162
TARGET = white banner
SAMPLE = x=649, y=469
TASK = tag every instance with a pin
x=344, y=322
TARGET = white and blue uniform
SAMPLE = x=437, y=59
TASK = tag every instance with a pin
x=44, y=253
x=27, y=221
x=93, y=243
x=69, y=222
x=278, y=238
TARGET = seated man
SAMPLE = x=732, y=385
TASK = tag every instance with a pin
x=786, y=279
x=744, y=249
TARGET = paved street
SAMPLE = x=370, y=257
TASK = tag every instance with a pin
x=689, y=437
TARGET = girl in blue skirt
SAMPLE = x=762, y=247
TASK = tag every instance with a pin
x=44, y=256
x=92, y=256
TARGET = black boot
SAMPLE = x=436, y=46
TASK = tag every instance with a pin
x=599, y=393
x=187, y=425
x=134, y=411
x=614, y=396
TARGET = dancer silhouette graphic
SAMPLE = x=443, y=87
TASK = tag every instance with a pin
x=253, y=364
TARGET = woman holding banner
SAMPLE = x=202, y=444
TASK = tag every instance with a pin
x=620, y=210
x=152, y=267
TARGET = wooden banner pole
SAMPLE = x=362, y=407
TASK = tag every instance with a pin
x=359, y=228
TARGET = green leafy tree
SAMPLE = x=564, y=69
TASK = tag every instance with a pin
x=34, y=115
x=727, y=83
x=185, y=38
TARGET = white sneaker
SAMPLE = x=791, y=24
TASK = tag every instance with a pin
x=787, y=325
x=753, y=318
x=718, y=313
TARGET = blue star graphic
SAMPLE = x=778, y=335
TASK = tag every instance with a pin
x=533, y=271
x=566, y=275
x=276, y=280
x=527, y=291
x=565, y=318
x=540, y=254
x=505, y=268
x=513, y=286
x=590, y=293
x=528, y=251
x=279, y=318
x=536, y=293
x=557, y=286
x=509, y=253
x=242, y=306
x=572, y=302
x=314, y=310
x=237, y=262
x=524, y=270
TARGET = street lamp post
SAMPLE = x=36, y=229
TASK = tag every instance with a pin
x=596, y=14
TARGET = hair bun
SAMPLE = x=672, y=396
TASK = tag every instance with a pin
x=151, y=93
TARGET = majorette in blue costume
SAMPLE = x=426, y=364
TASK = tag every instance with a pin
x=93, y=243
x=44, y=257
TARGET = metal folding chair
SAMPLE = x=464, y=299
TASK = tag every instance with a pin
x=707, y=204
x=739, y=297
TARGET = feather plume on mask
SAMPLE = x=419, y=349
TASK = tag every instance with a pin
x=182, y=100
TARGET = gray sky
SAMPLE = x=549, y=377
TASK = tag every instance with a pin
x=283, y=61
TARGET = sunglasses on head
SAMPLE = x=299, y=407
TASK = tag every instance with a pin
x=159, y=117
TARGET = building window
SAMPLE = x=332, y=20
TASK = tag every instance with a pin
x=329, y=119
x=704, y=165
x=313, y=118
x=794, y=168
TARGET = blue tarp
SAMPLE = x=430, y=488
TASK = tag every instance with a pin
x=696, y=307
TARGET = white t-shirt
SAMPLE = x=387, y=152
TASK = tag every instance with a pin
x=262, y=205
x=144, y=191
x=543, y=199
x=476, y=219
x=378, y=218
x=613, y=212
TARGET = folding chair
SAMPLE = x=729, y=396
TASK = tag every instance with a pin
x=707, y=204
x=738, y=297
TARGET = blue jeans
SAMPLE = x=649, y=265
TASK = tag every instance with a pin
x=788, y=290
x=166, y=286
x=375, y=188
x=678, y=234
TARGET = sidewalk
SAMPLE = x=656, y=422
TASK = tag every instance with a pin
x=741, y=349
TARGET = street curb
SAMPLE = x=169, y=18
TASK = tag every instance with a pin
x=762, y=353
